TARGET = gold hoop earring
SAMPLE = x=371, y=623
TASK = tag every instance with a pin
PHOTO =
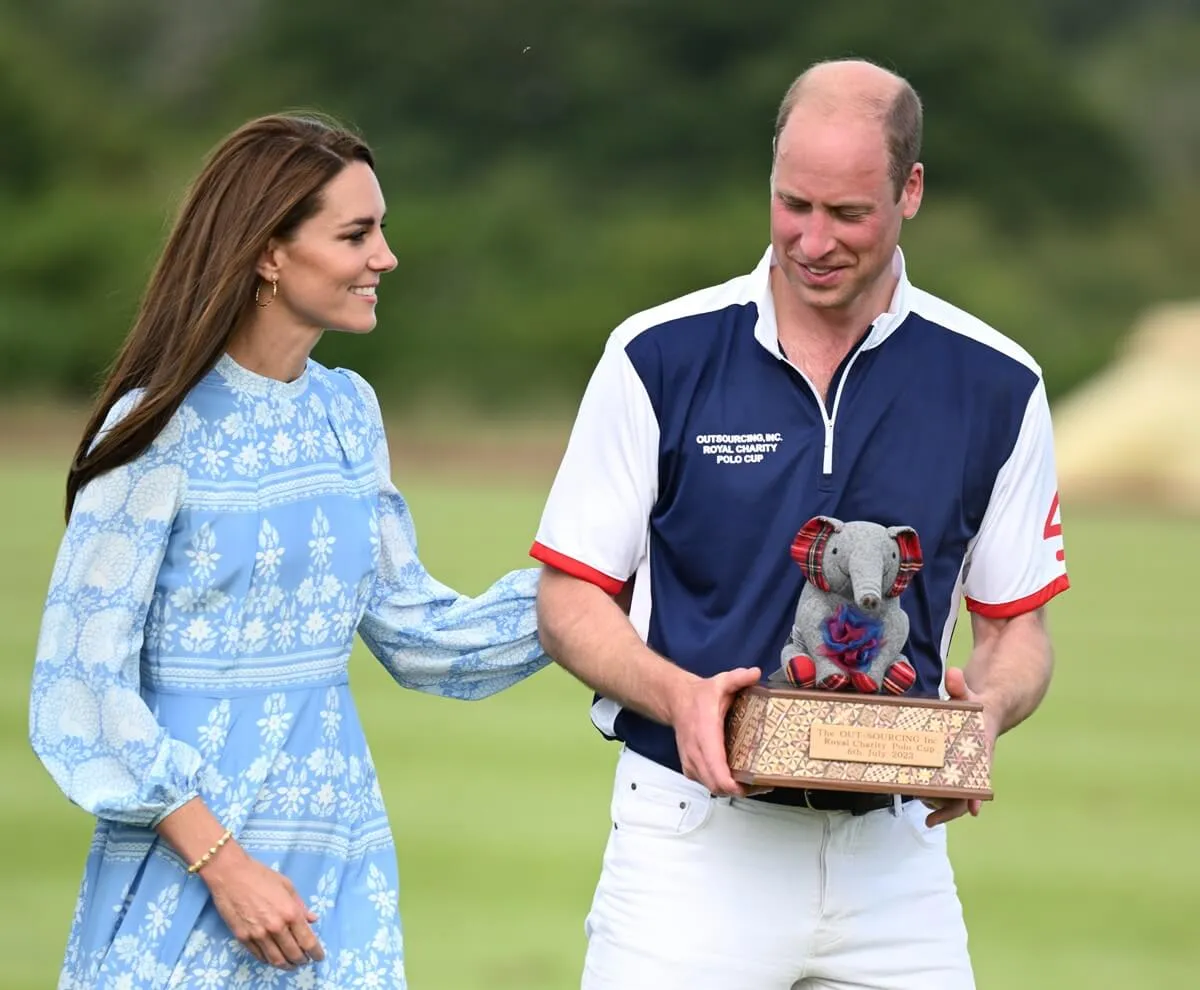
x=274, y=291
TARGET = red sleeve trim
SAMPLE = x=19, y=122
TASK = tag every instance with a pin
x=573, y=567
x=1007, y=610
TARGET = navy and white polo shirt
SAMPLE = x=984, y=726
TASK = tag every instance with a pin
x=699, y=451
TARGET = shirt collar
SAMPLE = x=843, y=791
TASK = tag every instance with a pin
x=766, y=330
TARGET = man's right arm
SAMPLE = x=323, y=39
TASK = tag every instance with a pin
x=588, y=634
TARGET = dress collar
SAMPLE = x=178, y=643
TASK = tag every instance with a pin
x=244, y=380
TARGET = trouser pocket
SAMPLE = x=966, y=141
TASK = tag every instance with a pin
x=650, y=799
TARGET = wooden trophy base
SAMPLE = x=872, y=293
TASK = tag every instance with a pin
x=887, y=744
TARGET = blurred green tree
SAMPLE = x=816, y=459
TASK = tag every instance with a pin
x=680, y=94
x=551, y=167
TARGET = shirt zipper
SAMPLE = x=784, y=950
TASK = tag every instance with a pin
x=830, y=418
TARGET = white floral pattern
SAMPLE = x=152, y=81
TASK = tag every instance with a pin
x=195, y=641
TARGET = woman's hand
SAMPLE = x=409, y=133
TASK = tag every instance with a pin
x=262, y=909
x=260, y=906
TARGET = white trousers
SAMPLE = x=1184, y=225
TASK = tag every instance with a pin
x=709, y=893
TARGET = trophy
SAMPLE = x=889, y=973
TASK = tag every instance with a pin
x=834, y=715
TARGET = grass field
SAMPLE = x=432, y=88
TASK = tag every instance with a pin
x=1083, y=873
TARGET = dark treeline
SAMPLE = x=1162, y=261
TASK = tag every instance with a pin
x=551, y=167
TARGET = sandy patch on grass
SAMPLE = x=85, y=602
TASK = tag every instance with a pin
x=1132, y=434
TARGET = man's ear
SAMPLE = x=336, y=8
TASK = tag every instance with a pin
x=913, y=192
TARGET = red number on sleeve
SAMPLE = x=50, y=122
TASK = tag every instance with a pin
x=1053, y=529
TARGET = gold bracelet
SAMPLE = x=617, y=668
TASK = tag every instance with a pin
x=197, y=866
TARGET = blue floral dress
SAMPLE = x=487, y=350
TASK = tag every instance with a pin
x=195, y=641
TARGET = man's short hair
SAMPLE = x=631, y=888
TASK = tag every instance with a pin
x=903, y=123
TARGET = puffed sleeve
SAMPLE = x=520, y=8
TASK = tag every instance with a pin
x=88, y=723
x=428, y=636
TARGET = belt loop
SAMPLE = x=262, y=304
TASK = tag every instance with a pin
x=896, y=805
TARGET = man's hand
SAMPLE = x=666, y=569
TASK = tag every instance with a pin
x=944, y=810
x=698, y=717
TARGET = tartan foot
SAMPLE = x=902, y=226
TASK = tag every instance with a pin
x=899, y=678
x=834, y=682
x=863, y=683
x=801, y=671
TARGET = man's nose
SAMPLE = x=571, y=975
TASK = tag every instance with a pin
x=816, y=237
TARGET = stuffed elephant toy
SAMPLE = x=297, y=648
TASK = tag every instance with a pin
x=849, y=627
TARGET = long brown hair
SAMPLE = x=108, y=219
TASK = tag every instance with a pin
x=261, y=182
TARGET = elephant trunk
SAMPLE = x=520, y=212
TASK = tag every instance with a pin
x=866, y=585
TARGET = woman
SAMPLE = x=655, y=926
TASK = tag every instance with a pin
x=231, y=523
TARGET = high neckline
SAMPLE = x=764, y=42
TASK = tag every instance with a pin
x=245, y=380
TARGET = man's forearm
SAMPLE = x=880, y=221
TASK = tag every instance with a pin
x=588, y=634
x=1010, y=666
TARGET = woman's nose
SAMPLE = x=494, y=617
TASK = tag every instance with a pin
x=386, y=261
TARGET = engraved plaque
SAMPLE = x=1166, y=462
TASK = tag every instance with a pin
x=923, y=747
x=861, y=744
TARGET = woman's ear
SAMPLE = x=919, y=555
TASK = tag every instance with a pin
x=269, y=262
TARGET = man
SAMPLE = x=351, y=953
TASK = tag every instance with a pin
x=713, y=427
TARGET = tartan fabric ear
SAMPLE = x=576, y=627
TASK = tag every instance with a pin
x=808, y=548
x=910, y=557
